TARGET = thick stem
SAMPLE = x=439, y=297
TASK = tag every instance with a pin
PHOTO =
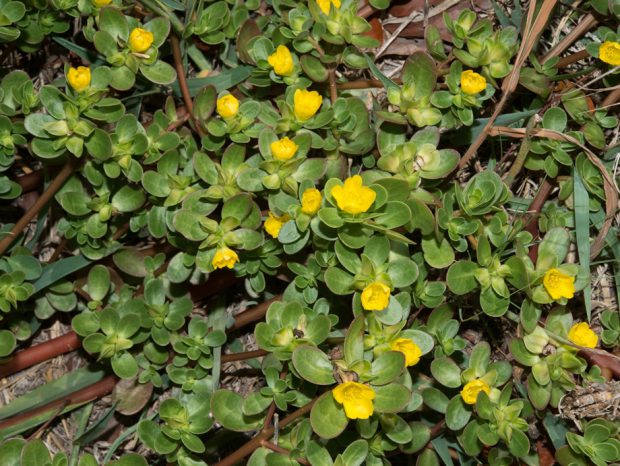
x=532, y=224
x=178, y=65
x=244, y=356
x=254, y=314
x=49, y=193
x=39, y=353
x=253, y=444
x=90, y=393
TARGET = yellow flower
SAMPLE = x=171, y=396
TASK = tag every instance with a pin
x=375, y=296
x=558, y=284
x=472, y=82
x=411, y=351
x=283, y=149
x=324, y=5
x=609, y=52
x=281, y=61
x=471, y=389
x=356, y=399
x=101, y=3
x=353, y=197
x=140, y=40
x=224, y=257
x=581, y=334
x=79, y=78
x=306, y=103
x=311, y=201
x=274, y=223
x=227, y=106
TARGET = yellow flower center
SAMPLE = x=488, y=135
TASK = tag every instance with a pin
x=609, y=52
x=227, y=106
x=224, y=257
x=559, y=284
x=471, y=389
x=581, y=334
x=325, y=5
x=79, y=78
x=376, y=296
x=353, y=198
x=283, y=149
x=140, y=40
x=281, y=61
x=311, y=201
x=411, y=351
x=101, y=3
x=306, y=103
x=273, y=224
x=472, y=82
x=356, y=398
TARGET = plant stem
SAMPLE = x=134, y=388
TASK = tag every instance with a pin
x=256, y=442
x=49, y=193
x=254, y=314
x=244, y=355
x=41, y=352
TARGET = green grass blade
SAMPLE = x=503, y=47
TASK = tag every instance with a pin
x=60, y=269
x=68, y=383
x=582, y=233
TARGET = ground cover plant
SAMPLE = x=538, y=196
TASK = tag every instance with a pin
x=309, y=232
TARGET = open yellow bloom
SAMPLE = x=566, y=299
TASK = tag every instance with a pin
x=356, y=398
x=227, y=106
x=581, y=334
x=283, y=149
x=274, y=223
x=281, y=61
x=558, y=284
x=79, y=78
x=471, y=389
x=140, y=40
x=376, y=296
x=472, y=82
x=311, y=201
x=306, y=103
x=353, y=198
x=101, y=3
x=411, y=351
x=609, y=52
x=324, y=5
x=224, y=257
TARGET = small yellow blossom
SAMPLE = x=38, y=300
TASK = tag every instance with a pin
x=324, y=5
x=559, y=284
x=356, y=399
x=471, y=389
x=376, y=296
x=353, y=198
x=609, y=52
x=282, y=61
x=472, y=82
x=283, y=149
x=101, y=3
x=227, y=106
x=407, y=346
x=306, y=103
x=311, y=201
x=274, y=223
x=140, y=40
x=79, y=78
x=224, y=257
x=581, y=334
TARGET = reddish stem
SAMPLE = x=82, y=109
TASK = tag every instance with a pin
x=535, y=207
x=244, y=356
x=39, y=353
x=254, y=314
